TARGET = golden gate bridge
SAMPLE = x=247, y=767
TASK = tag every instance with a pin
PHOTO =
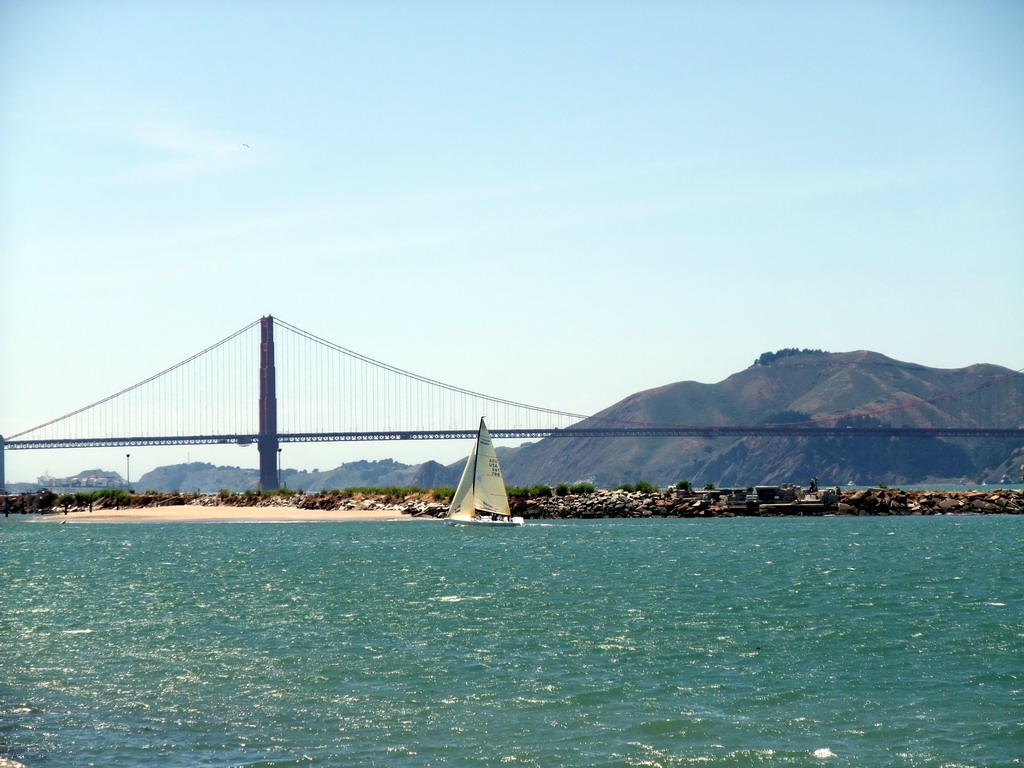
x=308, y=389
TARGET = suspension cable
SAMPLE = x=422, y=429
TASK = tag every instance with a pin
x=140, y=384
x=433, y=382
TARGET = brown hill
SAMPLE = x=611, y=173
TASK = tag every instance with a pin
x=797, y=387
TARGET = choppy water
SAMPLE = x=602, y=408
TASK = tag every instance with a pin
x=775, y=642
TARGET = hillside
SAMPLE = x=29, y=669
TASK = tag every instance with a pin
x=791, y=388
x=207, y=478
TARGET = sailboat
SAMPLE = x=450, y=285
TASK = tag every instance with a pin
x=480, y=498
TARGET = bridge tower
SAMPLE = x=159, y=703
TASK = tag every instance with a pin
x=266, y=440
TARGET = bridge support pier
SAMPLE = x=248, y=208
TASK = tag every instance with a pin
x=267, y=442
x=267, y=445
x=3, y=484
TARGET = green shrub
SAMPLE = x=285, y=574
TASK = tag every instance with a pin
x=582, y=488
x=642, y=486
x=393, y=492
x=117, y=495
x=538, y=491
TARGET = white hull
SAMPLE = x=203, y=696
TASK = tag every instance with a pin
x=513, y=522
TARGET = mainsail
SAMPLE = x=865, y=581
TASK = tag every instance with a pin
x=482, y=488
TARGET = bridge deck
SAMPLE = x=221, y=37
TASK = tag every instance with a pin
x=525, y=434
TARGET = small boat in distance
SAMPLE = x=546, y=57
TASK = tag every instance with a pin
x=480, y=498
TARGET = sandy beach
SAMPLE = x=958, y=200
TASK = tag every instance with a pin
x=202, y=514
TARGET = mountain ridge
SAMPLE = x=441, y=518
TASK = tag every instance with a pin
x=812, y=386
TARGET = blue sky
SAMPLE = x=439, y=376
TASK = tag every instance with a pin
x=558, y=203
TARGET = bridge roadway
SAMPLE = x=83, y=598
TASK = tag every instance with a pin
x=522, y=434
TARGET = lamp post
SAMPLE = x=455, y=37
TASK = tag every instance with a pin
x=128, y=470
x=280, y=482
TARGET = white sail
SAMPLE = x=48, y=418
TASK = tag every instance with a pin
x=482, y=487
x=462, y=502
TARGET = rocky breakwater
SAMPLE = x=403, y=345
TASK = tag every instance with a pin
x=603, y=504
x=886, y=501
x=415, y=505
x=875, y=501
x=596, y=505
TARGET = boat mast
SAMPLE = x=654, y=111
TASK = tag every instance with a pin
x=476, y=458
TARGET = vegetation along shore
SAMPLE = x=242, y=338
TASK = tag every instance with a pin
x=541, y=502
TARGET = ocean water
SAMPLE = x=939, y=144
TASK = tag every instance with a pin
x=826, y=642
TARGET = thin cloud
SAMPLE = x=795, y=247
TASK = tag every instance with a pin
x=129, y=137
x=175, y=150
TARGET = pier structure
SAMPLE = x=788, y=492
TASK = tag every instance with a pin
x=267, y=440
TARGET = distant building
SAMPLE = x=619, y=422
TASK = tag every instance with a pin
x=90, y=480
